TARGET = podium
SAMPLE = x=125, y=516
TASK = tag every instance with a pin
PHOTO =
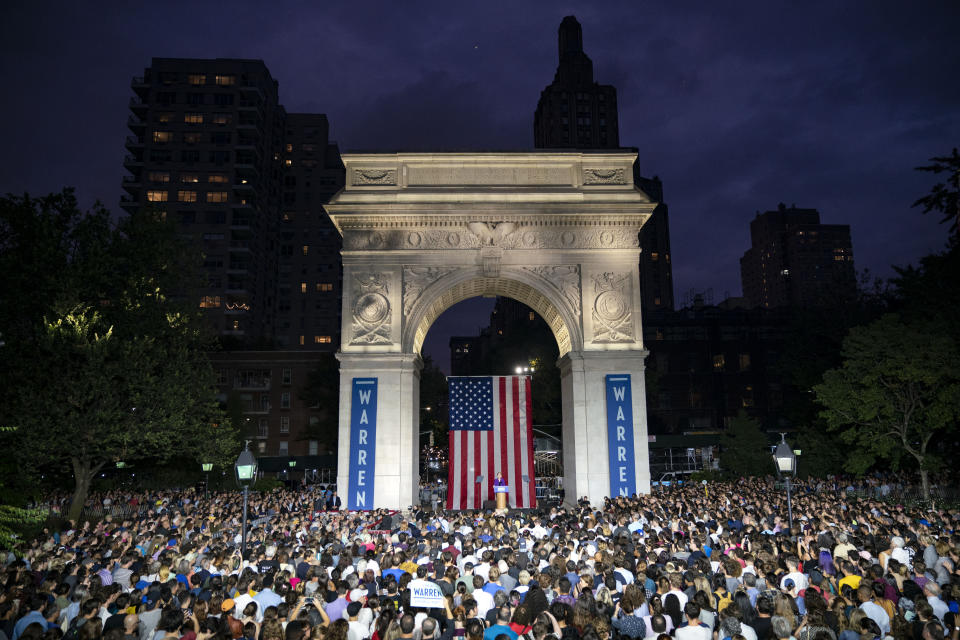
x=501, y=495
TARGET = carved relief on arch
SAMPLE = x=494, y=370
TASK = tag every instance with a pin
x=386, y=177
x=566, y=279
x=371, y=309
x=612, y=310
x=416, y=280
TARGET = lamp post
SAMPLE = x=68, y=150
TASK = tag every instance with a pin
x=786, y=461
x=246, y=469
x=207, y=468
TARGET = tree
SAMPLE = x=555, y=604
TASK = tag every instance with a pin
x=745, y=448
x=434, y=394
x=104, y=352
x=944, y=196
x=897, y=392
x=322, y=391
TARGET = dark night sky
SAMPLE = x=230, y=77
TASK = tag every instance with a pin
x=736, y=106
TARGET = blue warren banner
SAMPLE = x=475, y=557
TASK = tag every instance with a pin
x=623, y=478
x=363, y=443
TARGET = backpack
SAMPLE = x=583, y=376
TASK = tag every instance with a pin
x=723, y=599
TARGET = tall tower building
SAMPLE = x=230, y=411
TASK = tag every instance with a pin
x=310, y=274
x=205, y=150
x=796, y=261
x=574, y=112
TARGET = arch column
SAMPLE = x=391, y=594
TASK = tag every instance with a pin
x=586, y=452
x=397, y=454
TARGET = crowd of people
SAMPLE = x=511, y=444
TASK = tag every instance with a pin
x=712, y=562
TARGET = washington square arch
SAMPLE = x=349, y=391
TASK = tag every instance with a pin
x=557, y=231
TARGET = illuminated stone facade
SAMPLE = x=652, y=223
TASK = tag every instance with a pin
x=555, y=230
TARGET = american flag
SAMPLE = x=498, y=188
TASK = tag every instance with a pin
x=490, y=432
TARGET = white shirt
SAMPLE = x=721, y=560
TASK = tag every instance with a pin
x=484, y=602
x=699, y=632
x=798, y=578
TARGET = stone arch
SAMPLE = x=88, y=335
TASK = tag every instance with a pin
x=556, y=230
x=522, y=285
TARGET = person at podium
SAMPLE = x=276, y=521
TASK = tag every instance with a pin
x=499, y=481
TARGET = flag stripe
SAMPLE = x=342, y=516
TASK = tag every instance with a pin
x=490, y=433
x=516, y=486
x=528, y=448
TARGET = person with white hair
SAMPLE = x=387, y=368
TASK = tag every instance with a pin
x=932, y=592
x=898, y=552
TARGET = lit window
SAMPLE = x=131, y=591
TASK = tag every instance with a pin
x=288, y=162
x=289, y=147
x=236, y=325
x=197, y=78
x=316, y=339
x=216, y=196
x=165, y=117
x=186, y=196
x=190, y=178
x=217, y=177
x=303, y=287
x=158, y=176
x=324, y=339
x=225, y=81
x=531, y=316
x=285, y=400
x=262, y=446
x=157, y=196
x=209, y=302
x=654, y=256
x=718, y=362
x=656, y=301
x=306, y=249
x=284, y=424
x=193, y=118
x=162, y=136
x=222, y=118
x=301, y=340
x=324, y=286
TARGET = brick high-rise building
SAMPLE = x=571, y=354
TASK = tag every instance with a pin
x=796, y=261
x=214, y=149
x=310, y=274
x=205, y=150
x=575, y=112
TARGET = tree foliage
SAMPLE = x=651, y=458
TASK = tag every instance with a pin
x=103, y=347
x=435, y=395
x=944, y=196
x=896, y=393
x=322, y=391
x=745, y=448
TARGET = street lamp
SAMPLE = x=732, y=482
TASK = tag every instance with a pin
x=207, y=468
x=246, y=469
x=786, y=461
